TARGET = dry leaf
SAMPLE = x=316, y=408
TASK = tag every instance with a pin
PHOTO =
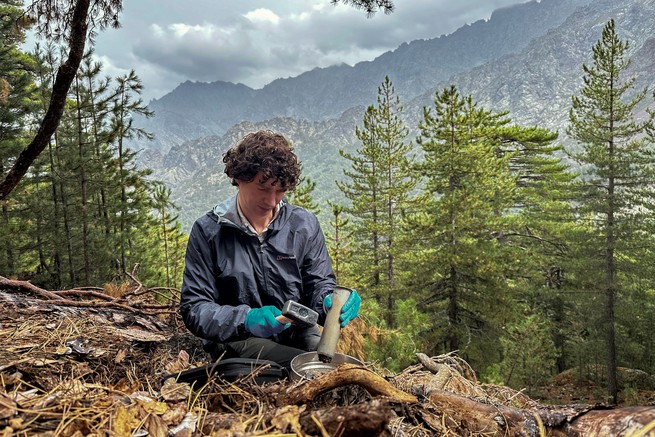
x=137, y=334
x=186, y=428
x=27, y=395
x=68, y=432
x=125, y=420
x=120, y=356
x=154, y=407
x=126, y=385
x=8, y=407
x=175, y=413
x=182, y=363
x=175, y=391
x=288, y=416
x=40, y=362
x=11, y=379
x=16, y=424
x=156, y=426
x=63, y=350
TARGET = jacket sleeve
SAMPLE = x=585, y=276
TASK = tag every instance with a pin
x=199, y=307
x=318, y=276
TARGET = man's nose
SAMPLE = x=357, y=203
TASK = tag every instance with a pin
x=271, y=199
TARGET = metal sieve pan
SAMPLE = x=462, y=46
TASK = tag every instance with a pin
x=309, y=366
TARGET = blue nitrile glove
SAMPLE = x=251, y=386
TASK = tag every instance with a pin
x=262, y=322
x=349, y=310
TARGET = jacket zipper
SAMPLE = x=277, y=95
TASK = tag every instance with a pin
x=263, y=266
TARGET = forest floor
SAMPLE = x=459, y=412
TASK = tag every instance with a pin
x=569, y=388
x=90, y=363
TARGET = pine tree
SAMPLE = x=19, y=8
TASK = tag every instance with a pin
x=90, y=121
x=132, y=185
x=71, y=23
x=541, y=225
x=88, y=186
x=18, y=99
x=339, y=244
x=168, y=234
x=17, y=88
x=45, y=200
x=302, y=196
x=86, y=197
x=528, y=348
x=616, y=195
x=379, y=187
x=460, y=264
x=75, y=176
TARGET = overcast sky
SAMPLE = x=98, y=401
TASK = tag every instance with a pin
x=256, y=41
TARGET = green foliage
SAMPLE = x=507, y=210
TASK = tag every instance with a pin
x=87, y=214
x=394, y=348
x=165, y=243
x=529, y=353
x=635, y=341
x=459, y=265
x=542, y=218
x=302, y=196
x=17, y=88
x=338, y=240
x=378, y=186
x=616, y=195
x=17, y=102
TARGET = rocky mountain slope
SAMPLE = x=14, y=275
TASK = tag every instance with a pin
x=527, y=59
x=196, y=109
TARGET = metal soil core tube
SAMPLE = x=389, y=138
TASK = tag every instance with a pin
x=327, y=346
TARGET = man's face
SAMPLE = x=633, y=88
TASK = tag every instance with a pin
x=258, y=199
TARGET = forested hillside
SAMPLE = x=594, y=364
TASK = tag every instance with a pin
x=464, y=225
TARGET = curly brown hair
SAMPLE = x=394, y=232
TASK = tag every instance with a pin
x=267, y=152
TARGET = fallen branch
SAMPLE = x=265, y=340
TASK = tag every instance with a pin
x=345, y=374
x=84, y=293
x=100, y=300
x=25, y=286
x=571, y=420
x=445, y=363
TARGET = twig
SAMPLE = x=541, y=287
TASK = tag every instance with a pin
x=82, y=293
x=139, y=286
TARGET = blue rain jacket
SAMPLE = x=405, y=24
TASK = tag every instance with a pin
x=228, y=271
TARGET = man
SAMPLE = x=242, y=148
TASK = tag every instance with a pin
x=251, y=254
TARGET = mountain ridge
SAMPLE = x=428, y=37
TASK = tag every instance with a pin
x=534, y=84
x=195, y=109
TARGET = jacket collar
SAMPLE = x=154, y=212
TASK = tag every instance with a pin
x=227, y=213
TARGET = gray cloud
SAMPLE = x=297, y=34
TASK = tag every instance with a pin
x=256, y=41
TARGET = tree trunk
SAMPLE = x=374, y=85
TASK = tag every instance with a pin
x=84, y=183
x=63, y=81
x=453, y=311
x=612, y=384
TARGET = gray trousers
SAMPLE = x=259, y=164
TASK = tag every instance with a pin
x=281, y=348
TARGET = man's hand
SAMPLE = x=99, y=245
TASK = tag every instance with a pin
x=261, y=322
x=350, y=308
